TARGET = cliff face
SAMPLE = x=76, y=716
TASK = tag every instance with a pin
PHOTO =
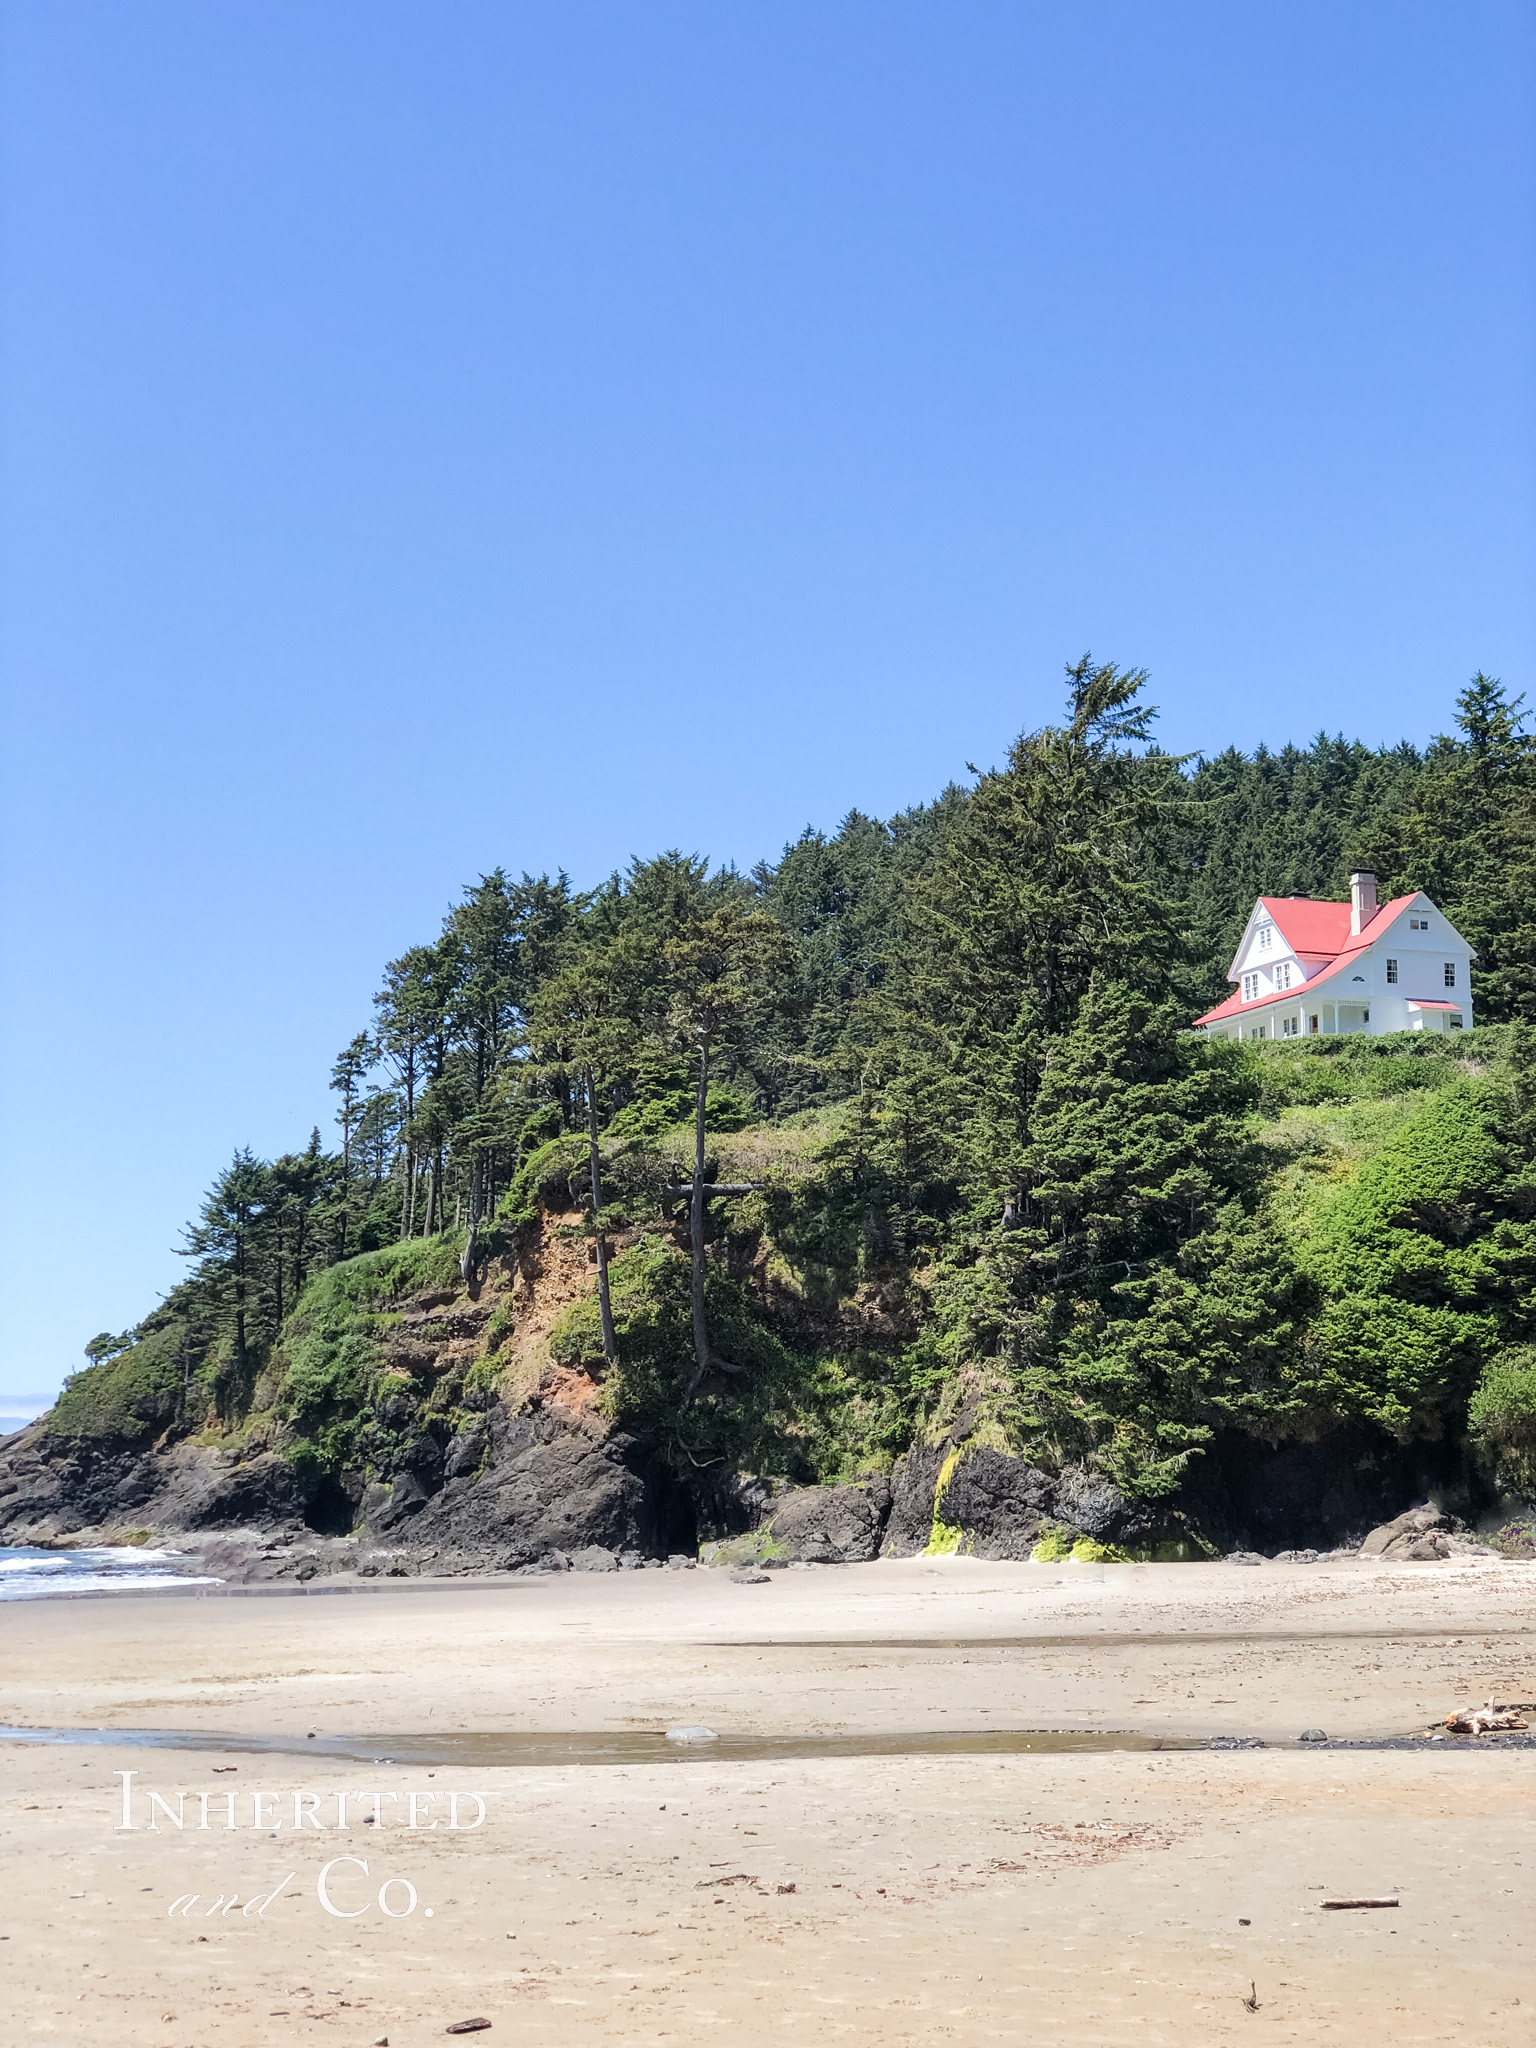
x=879, y=1401
x=466, y=1444
x=458, y=1442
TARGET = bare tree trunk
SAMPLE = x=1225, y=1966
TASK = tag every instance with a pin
x=408, y=1207
x=232, y=1407
x=476, y=1183
x=605, y=1306
x=702, y=1356
x=346, y=1181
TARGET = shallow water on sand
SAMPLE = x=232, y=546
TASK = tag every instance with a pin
x=621, y=1746
x=649, y=1746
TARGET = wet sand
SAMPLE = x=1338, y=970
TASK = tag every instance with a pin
x=1035, y=1897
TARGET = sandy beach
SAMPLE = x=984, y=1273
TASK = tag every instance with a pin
x=1128, y=1895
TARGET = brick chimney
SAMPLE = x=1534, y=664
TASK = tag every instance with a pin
x=1362, y=900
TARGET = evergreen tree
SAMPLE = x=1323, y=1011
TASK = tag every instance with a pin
x=1047, y=878
x=1466, y=835
x=407, y=1011
x=588, y=1019
x=347, y=1074
x=721, y=971
x=223, y=1240
x=1040, y=1189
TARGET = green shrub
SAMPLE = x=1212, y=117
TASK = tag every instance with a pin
x=1502, y=1411
x=1356, y=1066
x=1514, y=1539
x=129, y=1398
x=649, y=1119
x=331, y=1339
x=373, y=1280
x=331, y=1365
x=1410, y=1259
x=761, y=1422
x=543, y=1181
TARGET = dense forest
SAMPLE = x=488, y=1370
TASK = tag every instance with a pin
x=911, y=1122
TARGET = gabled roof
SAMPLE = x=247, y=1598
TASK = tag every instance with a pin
x=1355, y=943
x=1308, y=926
x=1234, y=1003
x=1308, y=934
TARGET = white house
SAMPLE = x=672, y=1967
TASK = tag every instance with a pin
x=1306, y=969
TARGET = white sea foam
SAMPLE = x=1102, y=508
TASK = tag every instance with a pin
x=28, y=1574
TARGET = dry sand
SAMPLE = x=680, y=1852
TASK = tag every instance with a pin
x=1042, y=1898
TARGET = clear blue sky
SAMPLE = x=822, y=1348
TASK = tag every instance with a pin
x=447, y=434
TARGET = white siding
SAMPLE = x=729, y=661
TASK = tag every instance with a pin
x=1357, y=996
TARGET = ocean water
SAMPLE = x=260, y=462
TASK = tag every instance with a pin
x=27, y=1574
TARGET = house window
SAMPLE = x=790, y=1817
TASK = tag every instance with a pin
x=1283, y=974
x=1312, y=1026
x=1418, y=924
x=1290, y=1027
x=1266, y=933
x=1391, y=970
x=1454, y=1022
x=1450, y=973
x=1257, y=1031
x=1250, y=987
x=1365, y=1014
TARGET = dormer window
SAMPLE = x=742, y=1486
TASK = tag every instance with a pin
x=1250, y=988
x=1283, y=974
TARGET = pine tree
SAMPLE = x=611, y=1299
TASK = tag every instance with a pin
x=222, y=1240
x=720, y=970
x=1467, y=836
x=1048, y=878
x=347, y=1074
x=589, y=1019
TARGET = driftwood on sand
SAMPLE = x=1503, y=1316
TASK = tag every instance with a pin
x=1488, y=1719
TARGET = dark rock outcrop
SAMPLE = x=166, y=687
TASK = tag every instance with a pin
x=1001, y=1503
x=830, y=1524
x=1002, y=1506
x=258, y=1491
x=482, y=1487
x=730, y=1503
x=505, y=1492
x=1249, y=1495
x=910, y=1522
x=533, y=1486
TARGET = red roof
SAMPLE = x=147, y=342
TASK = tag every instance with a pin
x=1308, y=926
x=1425, y=1003
x=1317, y=931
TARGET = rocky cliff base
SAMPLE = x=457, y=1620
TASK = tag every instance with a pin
x=547, y=1488
x=474, y=1447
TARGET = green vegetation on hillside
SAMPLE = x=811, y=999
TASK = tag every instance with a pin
x=911, y=1125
